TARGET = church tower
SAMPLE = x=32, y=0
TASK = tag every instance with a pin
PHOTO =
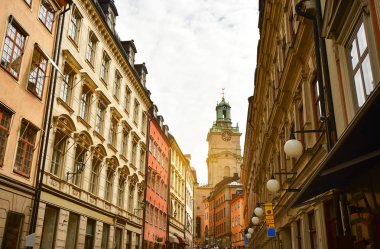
x=224, y=152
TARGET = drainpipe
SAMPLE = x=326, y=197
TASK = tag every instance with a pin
x=47, y=122
x=168, y=195
x=146, y=179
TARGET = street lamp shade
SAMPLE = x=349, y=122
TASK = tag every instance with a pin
x=255, y=220
x=293, y=148
x=273, y=185
x=258, y=211
x=250, y=230
x=248, y=235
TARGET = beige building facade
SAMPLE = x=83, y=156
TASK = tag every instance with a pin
x=94, y=181
x=27, y=36
x=179, y=167
x=324, y=98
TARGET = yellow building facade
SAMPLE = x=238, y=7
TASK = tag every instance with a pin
x=326, y=194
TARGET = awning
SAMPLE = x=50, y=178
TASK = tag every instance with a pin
x=182, y=240
x=173, y=239
x=356, y=152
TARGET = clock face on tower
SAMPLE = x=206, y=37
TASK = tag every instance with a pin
x=226, y=135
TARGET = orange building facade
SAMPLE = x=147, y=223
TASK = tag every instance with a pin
x=156, y=205
x=237, y=220
x=27, y=33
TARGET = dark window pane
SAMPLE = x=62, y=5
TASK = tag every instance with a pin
x=12, y=231
x=49, y=227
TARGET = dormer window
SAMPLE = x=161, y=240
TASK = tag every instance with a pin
x=111, y=21
x=131, y=56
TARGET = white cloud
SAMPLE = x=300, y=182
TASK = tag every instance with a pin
x=192, y=50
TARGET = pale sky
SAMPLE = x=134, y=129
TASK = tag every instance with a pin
x=192, y=49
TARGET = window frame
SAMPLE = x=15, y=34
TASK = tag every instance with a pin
x=104, y=67
x=91, y=48
x=23, y=36
x=75, y=14
x=84, y=105
x=28, y=147
x=93, y=187
x=110, y=177
x=358, y=68
x=58, y=155
x=47, y=18
x=67, y=84
x=34, y=85
x=5, y=127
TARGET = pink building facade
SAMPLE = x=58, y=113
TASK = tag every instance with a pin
x=156, y=205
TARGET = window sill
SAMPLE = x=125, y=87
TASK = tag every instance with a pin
x=84, y=122
x=115, y=98
x=18, y=172
x=98, y=135
x=65, y=105
x=141, y=173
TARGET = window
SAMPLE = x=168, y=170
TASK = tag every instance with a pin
x=131, y=198
x=75, y=22
x=361, y=66
x=72, y=231
x=109, y=184
x=124, y=148
x=90, y=234
x=143, y=123
x=25, y=149
x=150, y=144
x=312, y=231
x=79, y=164
x=100, y=113
x=94, y=177
x=49, y=227
x=84, y=108
x=46, y=14
x=113, y=132
x=142, y=160
x=13, y=49
x=116, y=85
x=156, y=217
x=134, y=152
x=91, y=48
x=58, y=152
x=67, y=84
x=105, y=236
x=129, y=240
x=37, y=73
x=104, y=67
x=128, y=94
x=317, y=103
x=136, y=110
x=12, y=230
x=5, y=123
x=153, y=181
x=118, y=237
x=121, y=191
x=137, y=241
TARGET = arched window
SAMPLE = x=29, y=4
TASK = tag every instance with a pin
x=59, y=147
x=121, y=191
x=109, y=184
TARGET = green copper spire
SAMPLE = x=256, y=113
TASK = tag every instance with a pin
x=223, y=110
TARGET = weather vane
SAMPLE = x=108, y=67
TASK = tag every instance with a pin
x=223, y=92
